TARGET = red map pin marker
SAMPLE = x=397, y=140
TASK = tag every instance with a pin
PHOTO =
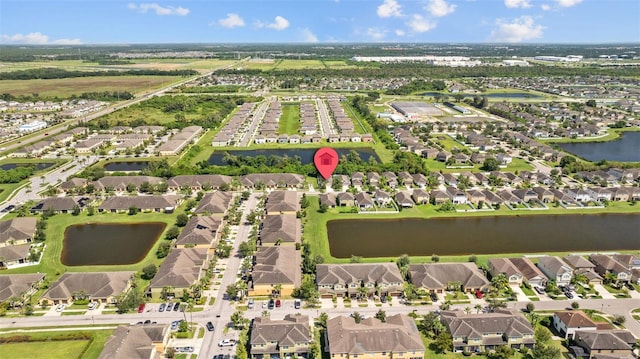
x=326, y=161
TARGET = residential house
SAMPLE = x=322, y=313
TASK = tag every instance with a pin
x=605, y=343
x=405, y=179
x=381, y=197
x=456, y=196
x=420, y=196
x=556, y=269
x=438, y=277
x=215, y=203
x=182, y=268
x=136, y=342
x=198, y=182
x=419, y=180
x=153, y=203
x=567, y=322
x=282, y=202
x=437, y=197
x=606, y=264
x=272, y=180
x=397, y=338
x=404, y=200
x=544, y=195
x=525, y=195
x=19, y=230
x=475, y=197
x=289, y=337
x=59, y=204
x=582, y=266
x=346, y=199
x=487, y=331
x=530, y=273
x=504, y=266
x=354, y=279
x=328, y=199
x=276, y=268
x=200, y=232
x=283, y=229
x=363, y=200
x=101, y=287
x=19, y=285
x=14, y=255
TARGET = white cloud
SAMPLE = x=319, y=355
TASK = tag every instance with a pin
x=439, y=8
x=545, y=7
x=517, y=4
x=389, y=8
x=568, y=3
x=376, y=33
x=36, y=38
x=308, y=36
x=420, y=24
x=399, y=32
x=231, y=21
x=279, y=23
x=159, y=10
x=518, y=30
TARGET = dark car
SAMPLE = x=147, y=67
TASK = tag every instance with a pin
x=169, y=306
x=568, y=295
x=176, y=307
x=434, y=297
x=210, y=326
x=630, y=286
x=147, y=322
x=271, y=304
x=162, y=306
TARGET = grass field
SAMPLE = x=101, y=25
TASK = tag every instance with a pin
x=299, y=64
x=338, y=64
x=315, y=227
x=290, y=120
x=518, y=164
x=260, y=64
x=612, y=134
x=44, y=350
x=78, y=85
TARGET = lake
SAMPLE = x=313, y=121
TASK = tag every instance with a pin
x=126, y=166
x=624, y=149
x=39, y=166
x=483, y=235
x=109, y=243
x=305, y=154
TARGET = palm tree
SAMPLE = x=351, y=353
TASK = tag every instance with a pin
x=467, y=310
x=478, y=308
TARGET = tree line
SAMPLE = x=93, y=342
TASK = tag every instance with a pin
x=57, y=73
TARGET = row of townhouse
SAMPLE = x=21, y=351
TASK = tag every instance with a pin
x=237, y=125
x=193, y=182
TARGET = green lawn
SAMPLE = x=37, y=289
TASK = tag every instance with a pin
x=44, y=350
x=612, y=134
x=290, y=120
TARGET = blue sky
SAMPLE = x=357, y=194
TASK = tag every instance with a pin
x=323, y=21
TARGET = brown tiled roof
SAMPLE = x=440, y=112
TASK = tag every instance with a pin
x=438, y=275
x=277, y=265
x=575, y=319
x=16, y=284
x=398, y=334
x=358, y=272
x=200, y=230
x=282, y=201
x=98, y=285
x=16, y=229
x=181, y=268
x=215, y=181
x=134, y=342
x=474, y=326
x=283, y=227
x=140, y=202
x=272, y=333
x=214, y=203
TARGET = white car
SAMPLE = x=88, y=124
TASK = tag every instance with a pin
x=227, y=343
x=93, y=305
x=60, y=307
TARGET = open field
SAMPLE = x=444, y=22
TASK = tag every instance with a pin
x=261, y=64
x=299, y=64
x=77, y=65
x=315, y=227
x=518, y=164
x=338, y=64
x=290, y=120
x=44, y=350
x=76, y=86
x=44, y=347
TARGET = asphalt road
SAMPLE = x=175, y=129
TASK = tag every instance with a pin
x=326, y=126
x=258, y=115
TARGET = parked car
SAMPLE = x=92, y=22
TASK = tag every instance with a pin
x=227, y=343
x=141, y=308
x=539, y=290
x=568, y=295
x=478, y=294
x=434, y=297
x=93, y=305
x=176, y=307
x=271, y=304
x=278, y=303
x=162, y=306
x=250, y=303
x=630, y=286
x=210, y=326
x=169, y=306
x=60, y=307
x=297, y=304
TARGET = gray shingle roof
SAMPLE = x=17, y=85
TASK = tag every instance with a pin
x=98, y=285
x=17, y=229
